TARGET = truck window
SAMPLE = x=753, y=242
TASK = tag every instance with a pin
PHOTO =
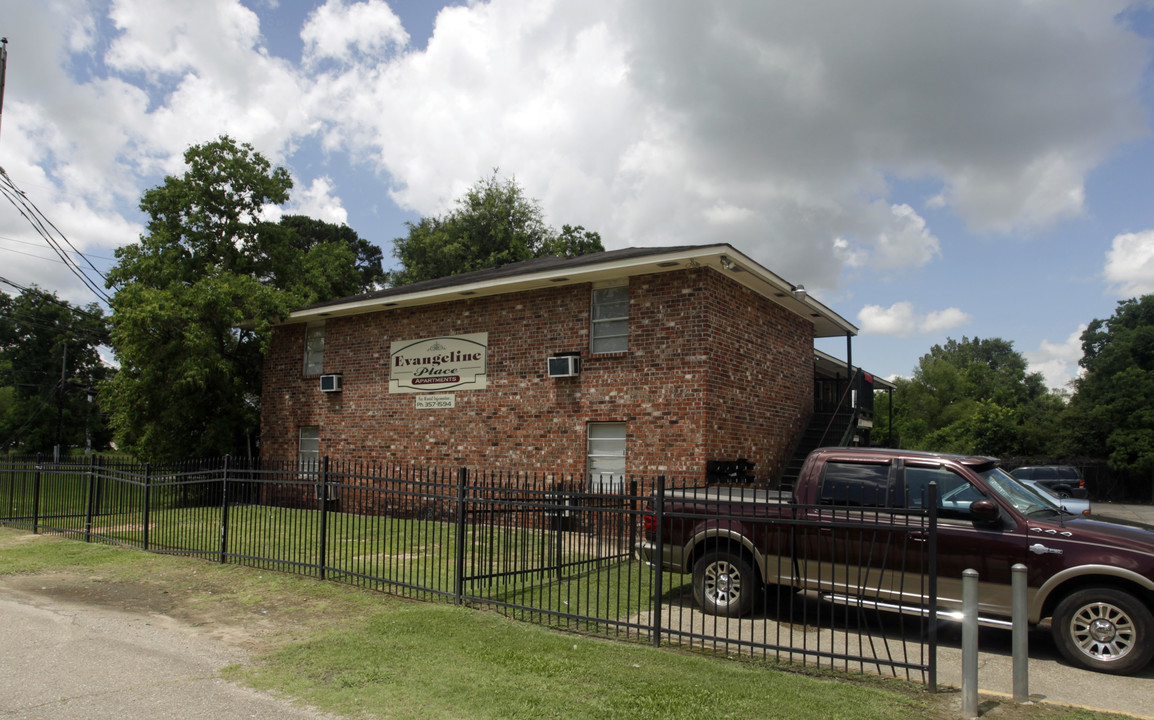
x=854, y=484
x=955, y=493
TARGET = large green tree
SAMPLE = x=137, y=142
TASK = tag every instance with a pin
x=49, y=353
x=974, y=396
x=307, y=234
x=197, y=295
x=494, y=224
x=1111, y=413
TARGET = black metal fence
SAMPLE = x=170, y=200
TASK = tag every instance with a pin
x=540, y=548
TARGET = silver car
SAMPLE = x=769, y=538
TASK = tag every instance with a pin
x=1074, y=506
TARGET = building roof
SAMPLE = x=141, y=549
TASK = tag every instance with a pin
x=594, y=268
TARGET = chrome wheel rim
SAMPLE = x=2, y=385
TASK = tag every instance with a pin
x=722, y=582
x=1103, y=631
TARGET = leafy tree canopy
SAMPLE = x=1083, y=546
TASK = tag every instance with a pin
x=50, y=364
x=975, y=396
x=197, y=295
x=1111, y=413
x=307, y=234
x=494, y=224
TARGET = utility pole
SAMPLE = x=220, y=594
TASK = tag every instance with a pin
x=3, y=70
x=60, y=402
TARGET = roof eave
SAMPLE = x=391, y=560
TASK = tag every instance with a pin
x=722, y=257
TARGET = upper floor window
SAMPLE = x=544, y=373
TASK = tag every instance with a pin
x=314, y=349
x=610, y=331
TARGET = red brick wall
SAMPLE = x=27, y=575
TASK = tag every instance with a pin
x=713, y=371
x=760, y=386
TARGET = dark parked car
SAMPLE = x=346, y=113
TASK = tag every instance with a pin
x=1062, y=480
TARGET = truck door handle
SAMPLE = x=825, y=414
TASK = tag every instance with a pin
x=917, y=536
x=1040, y=549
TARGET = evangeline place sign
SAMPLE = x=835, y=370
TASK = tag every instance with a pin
x=439, y=364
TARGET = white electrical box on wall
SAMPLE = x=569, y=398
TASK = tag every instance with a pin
x=564, y=366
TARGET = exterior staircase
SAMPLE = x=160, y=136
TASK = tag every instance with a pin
x=824, y=429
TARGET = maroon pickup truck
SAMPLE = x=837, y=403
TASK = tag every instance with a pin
x=1093, y=579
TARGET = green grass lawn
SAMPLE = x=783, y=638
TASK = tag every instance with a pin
x=360, y=653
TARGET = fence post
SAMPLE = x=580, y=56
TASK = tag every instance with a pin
x=323, y=489
x=98, y=480
x=459, y=583
x=147, y=500
x=632, y=516
x=224, y=512
x=932, y=551
x=659, y=569
x=36, y=498
x=559, y=531
x=90, y=502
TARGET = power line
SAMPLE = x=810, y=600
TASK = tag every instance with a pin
x=32, y=244
x=52, y=235
x=49, y=297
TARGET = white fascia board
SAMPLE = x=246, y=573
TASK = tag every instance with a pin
x=753, y=275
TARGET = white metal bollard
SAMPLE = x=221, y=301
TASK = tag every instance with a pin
x=1021, y=634
x=970, y=644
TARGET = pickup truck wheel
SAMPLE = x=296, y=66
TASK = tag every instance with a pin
x=1104, y=629
x=724, y=584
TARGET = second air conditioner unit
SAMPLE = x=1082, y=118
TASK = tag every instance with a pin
x=564, y=366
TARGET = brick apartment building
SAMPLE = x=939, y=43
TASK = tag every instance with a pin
x=640, y=361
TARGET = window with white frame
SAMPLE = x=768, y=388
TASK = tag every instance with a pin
x=315, y=349
x=610, y=330
x=605, y=458
x=309, y=450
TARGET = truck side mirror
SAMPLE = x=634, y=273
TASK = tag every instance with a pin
x=984, y=511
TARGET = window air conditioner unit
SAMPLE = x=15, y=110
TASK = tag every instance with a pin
x=331, y=383
x=565, y=366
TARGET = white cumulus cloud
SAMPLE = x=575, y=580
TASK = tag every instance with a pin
x=780, y=127
x=341, y=31
x=902, y=240
x=902, y=320
x=1058, y=362
x=1130, y=264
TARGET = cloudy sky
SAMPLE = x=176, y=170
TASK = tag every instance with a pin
x=928, y=170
